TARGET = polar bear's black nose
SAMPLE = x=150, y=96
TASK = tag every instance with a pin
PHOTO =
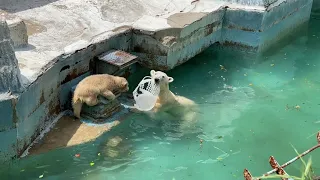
x=156, y=80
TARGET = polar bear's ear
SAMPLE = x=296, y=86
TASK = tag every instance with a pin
x=170, y=79
x=152, y=73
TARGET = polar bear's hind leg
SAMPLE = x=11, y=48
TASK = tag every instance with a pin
x=109, y=95
x=91, y=100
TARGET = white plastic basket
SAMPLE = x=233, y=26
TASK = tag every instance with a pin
x=146, y=94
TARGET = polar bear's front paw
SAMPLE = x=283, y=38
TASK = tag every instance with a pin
x=109, y=95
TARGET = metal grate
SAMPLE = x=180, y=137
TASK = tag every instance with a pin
x=118, y=58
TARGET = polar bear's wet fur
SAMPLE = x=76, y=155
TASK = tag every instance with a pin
x=178, y=106
x=88, y=90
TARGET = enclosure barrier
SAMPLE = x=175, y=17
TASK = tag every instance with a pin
x=276, y=166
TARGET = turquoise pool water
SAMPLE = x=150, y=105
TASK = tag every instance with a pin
x=247, y=114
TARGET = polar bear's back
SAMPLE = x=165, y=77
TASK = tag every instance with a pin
x=185, y=101
x=166, y=97
x=94, y=84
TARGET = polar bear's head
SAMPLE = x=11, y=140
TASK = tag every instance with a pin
x=161, y=77
x=122, y=84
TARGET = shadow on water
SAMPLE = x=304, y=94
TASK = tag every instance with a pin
x=65, y=164
x=13, y=6
x=112, y=152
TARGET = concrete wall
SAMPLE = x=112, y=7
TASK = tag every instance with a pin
x=283, y=19
x=265, y=3
x=258, y=29
x=168, y=48
x=239, y=27
x=8, y=127
x=10, y=83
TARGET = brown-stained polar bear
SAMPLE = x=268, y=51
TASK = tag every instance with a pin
x=88, y=90
x=178, y=106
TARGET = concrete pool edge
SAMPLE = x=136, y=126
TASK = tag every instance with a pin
x=239, y=27
x=48, y=95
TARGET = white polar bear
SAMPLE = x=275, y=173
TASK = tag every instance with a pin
x=88, y=90
x=181, y=108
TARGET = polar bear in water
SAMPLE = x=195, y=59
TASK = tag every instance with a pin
x=179, y=107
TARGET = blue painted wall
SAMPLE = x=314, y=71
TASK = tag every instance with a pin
x=259, y=29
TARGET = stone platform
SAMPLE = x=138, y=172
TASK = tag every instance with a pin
x=65, y=36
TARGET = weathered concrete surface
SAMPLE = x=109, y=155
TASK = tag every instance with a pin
x=283, y=18
x=168, y=41
x=257, y=28
x=186, y=35
x=165, y=34
x=17, y=28
x=264, y=3
x=62, y=23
